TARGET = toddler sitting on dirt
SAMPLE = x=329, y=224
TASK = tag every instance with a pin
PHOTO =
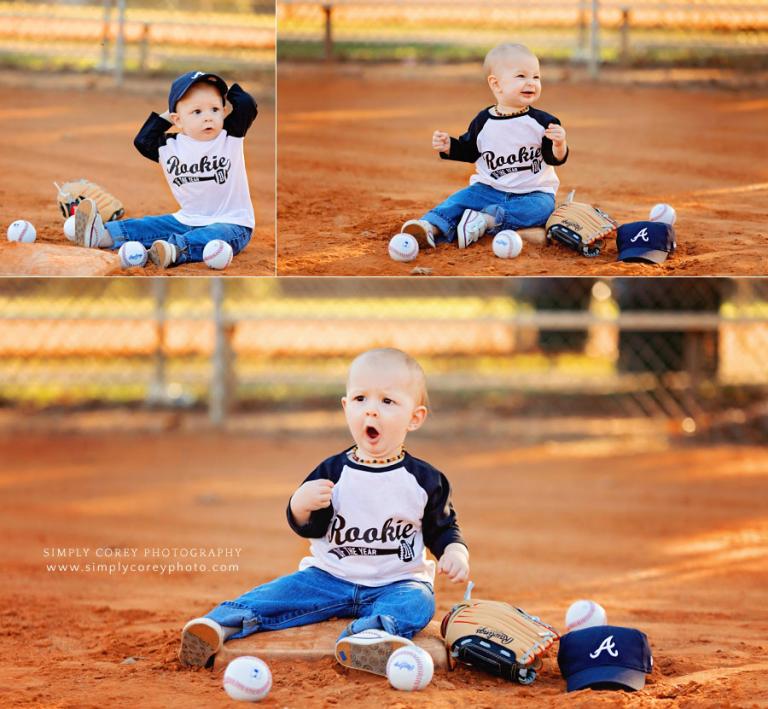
x=371, y=512
x=514, y=147
x=204, y=165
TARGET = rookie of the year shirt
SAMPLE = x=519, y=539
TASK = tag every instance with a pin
x=380, y=522
x=510, y=153
x=207, y=177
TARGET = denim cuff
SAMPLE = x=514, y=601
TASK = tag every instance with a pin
x=115, y=230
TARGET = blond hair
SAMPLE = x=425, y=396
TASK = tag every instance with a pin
x=501, y=53
x=418, y=379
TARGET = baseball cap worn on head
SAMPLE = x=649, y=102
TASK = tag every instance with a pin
x=605, y=657
x=649, y=242
x=181, y=85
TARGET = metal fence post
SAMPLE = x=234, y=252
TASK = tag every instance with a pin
x=221, y=376
x=144, y=47
x=594, y=54
x=624, y=46
x=328, y=40
x=157, y=388
x=107, y=21
x=120, y=43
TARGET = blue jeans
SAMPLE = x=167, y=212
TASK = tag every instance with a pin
x=511, y=211
x=190, y=240
x=312, y=595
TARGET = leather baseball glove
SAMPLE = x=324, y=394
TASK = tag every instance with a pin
x=498, y=638
x=73, y=192
x=580, y=226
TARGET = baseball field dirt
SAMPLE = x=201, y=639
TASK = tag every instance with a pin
x=355, y=162
x=54, y=130
x=670, y=538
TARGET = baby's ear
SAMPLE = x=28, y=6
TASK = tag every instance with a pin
x=493, y=82
x=418, y=417
x=174, y=118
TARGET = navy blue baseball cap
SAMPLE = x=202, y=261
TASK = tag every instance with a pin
x=649, y=242
x=605, y=657
x=181, y=85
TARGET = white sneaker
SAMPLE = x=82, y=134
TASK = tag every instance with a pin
x=88, y=225
x=471, y=227
x=162, y=253
x=201, y=639
x=421, y=230
x=369, y=650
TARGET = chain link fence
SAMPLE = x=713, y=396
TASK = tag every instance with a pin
x=686, y=354
x=137, y=36
x=623, y=32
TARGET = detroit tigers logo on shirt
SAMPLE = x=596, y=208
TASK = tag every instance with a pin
x=642, y=234
x=608, y=645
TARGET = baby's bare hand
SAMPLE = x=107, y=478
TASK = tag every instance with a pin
x=441, y=141
x=455, y=565
x=555, y=133
x=312, y=495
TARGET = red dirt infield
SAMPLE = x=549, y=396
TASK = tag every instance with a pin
x=85, y=128
x=671, y=540
x=355, y=162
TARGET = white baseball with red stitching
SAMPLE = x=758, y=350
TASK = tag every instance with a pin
x=584, y=614
x=217, y=254
x=507, y=244
x=247, y=679
x=410, y=668
x=403, y=247
x=22, y=231
x=664, y=213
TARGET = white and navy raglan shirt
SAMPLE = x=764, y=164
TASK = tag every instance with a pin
x=510, y=153
x=380, y=522
x=207, y=178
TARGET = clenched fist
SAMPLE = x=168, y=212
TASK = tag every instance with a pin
x=312, y=495
x=454, y=562
x=441, y=141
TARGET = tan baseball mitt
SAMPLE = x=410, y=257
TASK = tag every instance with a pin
x=580, y=226
x=497, y=638
x=73, y=192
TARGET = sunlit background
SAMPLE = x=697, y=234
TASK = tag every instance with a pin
x=683, y=357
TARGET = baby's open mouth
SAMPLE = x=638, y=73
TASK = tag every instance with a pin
x=371, y=433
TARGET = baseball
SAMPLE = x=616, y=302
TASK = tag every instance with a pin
x=662, y=213
x=507, y=244
x=410, y=668
x=22, y=231
x=69, y=228
x=247, y=679
x=584, y=614
x=217, y=254
x=403, y=247
x=132, y=253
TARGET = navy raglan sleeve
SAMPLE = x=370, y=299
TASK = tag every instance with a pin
x=439, y=525
x=244, y=111
x=464, y=148
x=151, y=136
x=329, y=469
x=546, y=143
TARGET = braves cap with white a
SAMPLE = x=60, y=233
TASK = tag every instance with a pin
x=605, y=657
x=649, y=242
